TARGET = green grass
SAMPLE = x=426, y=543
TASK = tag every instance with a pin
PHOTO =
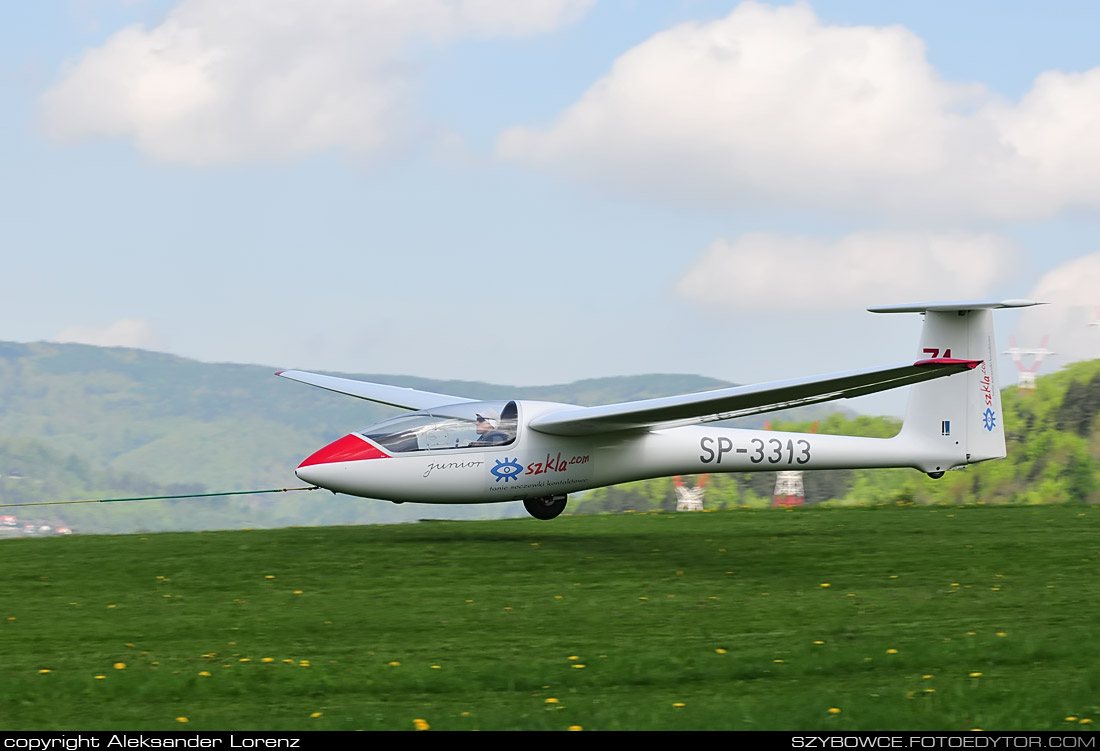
x=727, y=620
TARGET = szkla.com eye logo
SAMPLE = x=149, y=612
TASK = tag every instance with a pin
x=989, y=419
x=506, y=469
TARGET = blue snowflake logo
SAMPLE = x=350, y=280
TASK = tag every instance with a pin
x=506, y=469
x=989, y=419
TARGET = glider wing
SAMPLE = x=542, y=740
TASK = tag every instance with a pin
x=395, y=396
x=739, y=401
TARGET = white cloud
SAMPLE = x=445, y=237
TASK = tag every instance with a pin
x=125, y=332
x=254, y=79
x=863, y=268
x=1073, y=293
x=771, y=102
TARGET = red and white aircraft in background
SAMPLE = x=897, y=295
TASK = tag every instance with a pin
x=455, y=450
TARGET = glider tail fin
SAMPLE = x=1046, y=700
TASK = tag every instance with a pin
x=957, y=420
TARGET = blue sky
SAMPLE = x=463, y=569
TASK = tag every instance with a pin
x=534, y=193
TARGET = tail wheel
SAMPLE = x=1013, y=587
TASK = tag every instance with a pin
x=546, y=507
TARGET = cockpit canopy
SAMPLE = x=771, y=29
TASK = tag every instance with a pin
x=473, y=425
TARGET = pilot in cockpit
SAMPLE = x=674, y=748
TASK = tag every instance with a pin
x=488, y=434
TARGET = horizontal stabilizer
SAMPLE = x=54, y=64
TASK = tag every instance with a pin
x=739, y=401
x=944, y=306
x=395, y=396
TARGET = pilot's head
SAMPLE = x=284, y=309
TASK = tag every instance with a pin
x=487, y=420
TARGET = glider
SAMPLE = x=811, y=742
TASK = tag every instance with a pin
x=449, y=449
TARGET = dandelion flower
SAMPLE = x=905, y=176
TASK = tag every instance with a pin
x=270, y=576
x=826, y=585
x=205, y=673
x=551, y=700
x=182, y=719
x=975, y=675
x=316, y=714
x=43, y=671
x=819, y=642
x=678, y=704
x=720, y=651
x=834, y=710
x=1071, y=719
x=575, y=728
x=1085, y=721
x=578, y=665
x=421, y=724
x=891, y=651
x=120, y=666
x=100, y=677
x=268, y=659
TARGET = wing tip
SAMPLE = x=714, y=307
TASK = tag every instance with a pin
x=936, y=361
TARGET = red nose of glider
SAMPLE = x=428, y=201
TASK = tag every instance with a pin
x=350, y=448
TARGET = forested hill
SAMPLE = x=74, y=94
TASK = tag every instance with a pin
x=78, y=421
x=1052, y=435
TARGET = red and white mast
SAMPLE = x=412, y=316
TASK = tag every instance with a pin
x=1028, y=372
x=689, y=499
x=789, y=488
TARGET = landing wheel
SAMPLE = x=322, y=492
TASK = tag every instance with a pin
x=546, y=507
x=935, y=475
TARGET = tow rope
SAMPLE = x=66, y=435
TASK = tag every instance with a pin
x=159, y=497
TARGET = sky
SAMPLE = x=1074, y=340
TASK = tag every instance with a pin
x=540, y=192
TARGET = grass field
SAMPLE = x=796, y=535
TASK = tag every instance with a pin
x=848, y=619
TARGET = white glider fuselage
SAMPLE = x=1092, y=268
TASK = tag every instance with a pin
x=537, y=464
